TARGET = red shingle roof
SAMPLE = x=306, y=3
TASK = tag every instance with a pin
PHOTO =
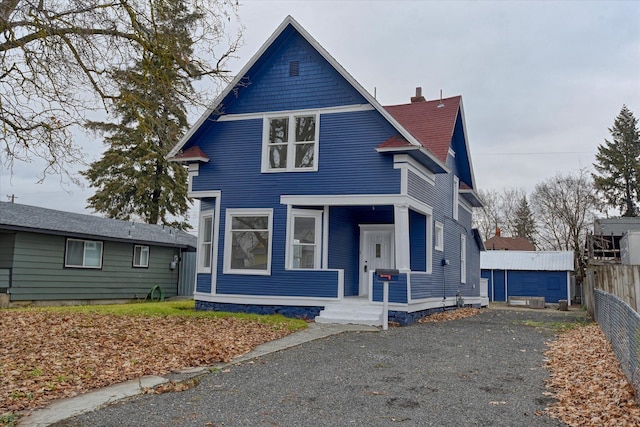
x=191, y=154
x=431, y=124
x=498, y=243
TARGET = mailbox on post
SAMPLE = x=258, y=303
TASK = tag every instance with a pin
x=386, y=275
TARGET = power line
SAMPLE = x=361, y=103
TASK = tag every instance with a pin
x=533, y=153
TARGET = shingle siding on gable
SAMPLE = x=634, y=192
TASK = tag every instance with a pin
x=270, y=88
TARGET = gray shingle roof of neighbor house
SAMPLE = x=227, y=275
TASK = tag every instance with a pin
x=16, y=216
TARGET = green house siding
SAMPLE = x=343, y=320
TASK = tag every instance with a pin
x=39, y=272
x=6, y=259
x=6, y=249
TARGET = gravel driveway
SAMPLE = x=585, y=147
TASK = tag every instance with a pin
x=486, y=370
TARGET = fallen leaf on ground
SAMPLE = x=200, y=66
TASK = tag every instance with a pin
x=47, y=355
x=587, y=381
x=445, y=316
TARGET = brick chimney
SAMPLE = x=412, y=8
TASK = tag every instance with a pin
x=418, y=97
x=497, y=231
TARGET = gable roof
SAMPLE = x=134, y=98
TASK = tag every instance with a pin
x=527, y=260
x=434, y=124
x=431, y=122
x=289, y=24
x=508, y=244
x=14, y=216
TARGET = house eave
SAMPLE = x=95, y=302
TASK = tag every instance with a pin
x=471, y=197
x=421, y=154
x=88, y=236
x=188, y=159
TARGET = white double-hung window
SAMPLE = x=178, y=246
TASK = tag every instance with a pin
x=439, y=238
x=290, y=143
x=305, y=239
x=141, y=256
x=205, y=242
x=247, y=241
x=83, y=254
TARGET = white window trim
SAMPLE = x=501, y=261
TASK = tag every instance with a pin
x=429, y=242
x=291, y=143
x=201, y=254
x=84, y=248
x=456, y=193
x=142, y=249
x=229, y=214
x=463, y=258
x=308, y=213
x=439, y=237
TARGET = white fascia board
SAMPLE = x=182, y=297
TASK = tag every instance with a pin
x=466, y=140
x=357, y=200
x=189, y=159
x=403, y=160
x=421, y=149
x=204, y=194
x=343, y=199
x=344, y=73
x=314, y=43
x=229, y=88
x=328, y=110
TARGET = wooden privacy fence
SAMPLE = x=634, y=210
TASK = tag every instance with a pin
x=616, y=279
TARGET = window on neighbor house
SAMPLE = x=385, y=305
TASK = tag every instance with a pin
x=205, y=239
x=290, y=143
x=439, y=237
x=306, y=238
x=83, y=254
x=456, y=193
x=463, y=259
x=248, y=241
x=140, y=256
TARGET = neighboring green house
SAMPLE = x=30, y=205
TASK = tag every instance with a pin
x=49, y=255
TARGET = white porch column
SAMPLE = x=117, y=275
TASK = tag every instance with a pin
x=401, y=219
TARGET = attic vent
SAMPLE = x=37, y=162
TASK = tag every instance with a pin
x=294, y=68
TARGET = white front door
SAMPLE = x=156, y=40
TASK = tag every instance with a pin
x=376, y=251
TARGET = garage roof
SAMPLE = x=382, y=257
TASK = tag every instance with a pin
x=527, y=260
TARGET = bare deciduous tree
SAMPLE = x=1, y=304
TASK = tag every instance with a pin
x=500, y=210
x=565, y=207
x=58, y=59
x=489, y=217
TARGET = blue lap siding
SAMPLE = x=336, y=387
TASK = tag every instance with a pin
x=552, y=285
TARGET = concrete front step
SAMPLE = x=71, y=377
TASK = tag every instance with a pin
x=354, y=312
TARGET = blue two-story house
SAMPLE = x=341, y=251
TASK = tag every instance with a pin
x=307, y=185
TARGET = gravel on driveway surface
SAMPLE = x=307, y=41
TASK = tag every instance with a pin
x=486, y=370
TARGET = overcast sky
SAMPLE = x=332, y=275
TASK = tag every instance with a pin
x=541, y=82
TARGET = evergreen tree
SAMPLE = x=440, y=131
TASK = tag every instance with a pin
x=524, y=225
x=618, y=165
x=133, y=179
